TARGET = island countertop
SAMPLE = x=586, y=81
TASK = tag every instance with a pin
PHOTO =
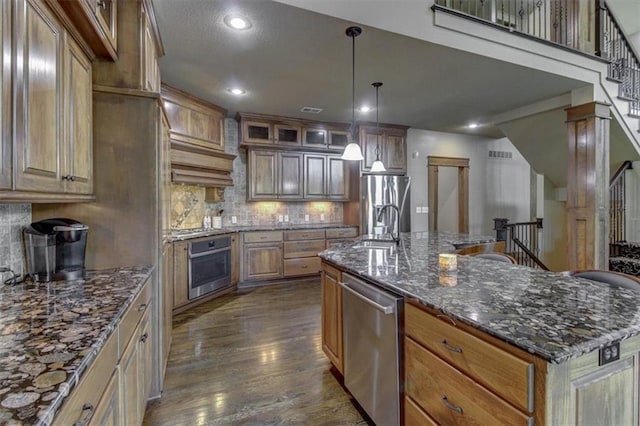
x=551, y=315
x=50, y=333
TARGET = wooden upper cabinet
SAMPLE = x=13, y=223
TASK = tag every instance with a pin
x=263, y=175
x=151, y=70
x=315, y=137
x=391, y=140
x=257, y=132
x=6, y=163
x=96, y=21
x=338, y=139
x=315, y=175
x=287, y=134
x=337, y=178
x=53, y=106
x=290, y=175
x=194, y=120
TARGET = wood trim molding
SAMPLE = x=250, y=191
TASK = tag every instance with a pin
x=462, y=164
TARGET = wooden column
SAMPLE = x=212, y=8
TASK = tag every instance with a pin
x=587, y=186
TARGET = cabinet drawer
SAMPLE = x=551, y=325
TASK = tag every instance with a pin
x=505, y=374
x=414, y=416
x=341, y=233
x=131, y=318
x=262, y=237
x=449, y=396
x=304, y=266
x=316, y=234
x=302, y=248
x=337, y=241
x=92, y=384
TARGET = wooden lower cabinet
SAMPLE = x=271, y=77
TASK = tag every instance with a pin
x=108, y=410
x=414, y=415
x=235, y=259
x=167, y=302
x=331, y=314
x=262, y=261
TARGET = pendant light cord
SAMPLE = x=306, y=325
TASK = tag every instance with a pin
x=377, y=85
x=353, y=87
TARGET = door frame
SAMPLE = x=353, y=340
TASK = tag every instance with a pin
x=462, y=164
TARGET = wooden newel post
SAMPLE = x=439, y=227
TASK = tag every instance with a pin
x=588, y=186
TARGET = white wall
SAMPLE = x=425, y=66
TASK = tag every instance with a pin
x=497, y=187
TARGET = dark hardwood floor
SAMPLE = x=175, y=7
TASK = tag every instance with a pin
x=253, y=357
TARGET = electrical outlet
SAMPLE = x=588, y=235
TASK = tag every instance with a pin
x=306, y=218
x=418, y=209
x=280, y=218
x=234, y=219
x=425, y=210
x=322, y=217
x=286, y=218
x=609, y=353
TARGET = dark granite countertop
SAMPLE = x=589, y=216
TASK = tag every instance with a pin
x=545, y=313
x=187, y=234
x=50, y=333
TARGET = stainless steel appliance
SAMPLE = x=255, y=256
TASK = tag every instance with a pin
x=372, y=349
x=56, y=249
x=379, y=190
x=209, y=265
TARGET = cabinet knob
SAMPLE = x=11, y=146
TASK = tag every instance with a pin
x=450, y=406
x=87, y=410
x=142, y=307
x=68, y=178
x=144, y=337
x=101, y=4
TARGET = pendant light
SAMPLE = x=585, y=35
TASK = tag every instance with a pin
x=377, y=165
x=352, y=151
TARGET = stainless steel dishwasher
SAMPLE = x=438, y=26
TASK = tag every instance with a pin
x=372, y=350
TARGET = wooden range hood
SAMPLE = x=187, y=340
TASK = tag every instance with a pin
x=196, y=165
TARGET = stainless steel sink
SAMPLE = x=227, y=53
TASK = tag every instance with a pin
x=376, y=244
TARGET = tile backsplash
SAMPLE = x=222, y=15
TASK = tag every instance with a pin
x=188, y=206
x=13, y=218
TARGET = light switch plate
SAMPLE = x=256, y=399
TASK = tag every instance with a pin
x=418, y=209
x=306, y=218
x=234, y=219
x=322, y=217
x=280, y=218
x=286, y=218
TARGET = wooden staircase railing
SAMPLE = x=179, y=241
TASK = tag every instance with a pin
x=522, y=240
x=617, y=208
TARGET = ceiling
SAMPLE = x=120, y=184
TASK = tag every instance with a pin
x=292, y=58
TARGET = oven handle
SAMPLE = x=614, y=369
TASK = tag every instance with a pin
x=387, y=310
x=207, y=253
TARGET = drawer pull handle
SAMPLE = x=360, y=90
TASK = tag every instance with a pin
x=88, y=408
x=452, y=348
x=144, y=337
x=449, y=405
x=142, y=307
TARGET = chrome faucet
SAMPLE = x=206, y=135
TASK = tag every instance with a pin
x=379, y=219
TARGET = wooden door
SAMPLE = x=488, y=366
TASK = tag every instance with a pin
x=315, y=176
x=290, y=175
x=462, y=167
x=263, y=182
x=337, y=178
x=79, y=129
x=394, y=152
x=262, y=261
x=331, y=312
x=6, y=163
x=39, y=101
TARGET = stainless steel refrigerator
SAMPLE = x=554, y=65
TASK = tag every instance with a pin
x=375, y=192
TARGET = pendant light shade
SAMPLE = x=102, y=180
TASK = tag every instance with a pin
x=377, y=165
x=352, y=151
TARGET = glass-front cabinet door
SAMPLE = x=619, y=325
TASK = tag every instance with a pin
x=286, y=134
x=316, y=138
x=257, y=132
x=338, y=139
x=107, y=19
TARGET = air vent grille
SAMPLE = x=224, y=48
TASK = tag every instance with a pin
x=311, y=110
x=501, y=154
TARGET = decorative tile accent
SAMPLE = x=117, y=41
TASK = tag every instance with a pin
x=187, y=206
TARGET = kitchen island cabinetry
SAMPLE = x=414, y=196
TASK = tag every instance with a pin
x=331, y=308
x=53, y=122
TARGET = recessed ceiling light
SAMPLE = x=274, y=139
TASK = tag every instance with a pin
x=236, y=91
x=364, y=108
x=472, y=125
x=237, y=22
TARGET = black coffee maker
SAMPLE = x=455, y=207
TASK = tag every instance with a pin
x=57, y=244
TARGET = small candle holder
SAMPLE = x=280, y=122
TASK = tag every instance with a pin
x=448, y=262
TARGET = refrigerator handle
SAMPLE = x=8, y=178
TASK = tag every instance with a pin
x=404, y=197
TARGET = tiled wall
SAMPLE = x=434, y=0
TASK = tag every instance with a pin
x=13, y=218
x=235, y=198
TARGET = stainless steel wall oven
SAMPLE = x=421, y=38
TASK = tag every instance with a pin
x=209, y=265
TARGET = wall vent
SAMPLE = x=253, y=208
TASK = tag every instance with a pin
x=501, y=154
x=311, y=110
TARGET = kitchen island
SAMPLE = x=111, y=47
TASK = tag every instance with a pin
x=60, y=343
x=523, y=339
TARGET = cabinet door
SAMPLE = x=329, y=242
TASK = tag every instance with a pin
x=106, y=14
x=180, y=274
x=151, y=71
x=257, y=132
x=145, y=361
x=108, y=409
x=316, y=138
x=338, y=140
x=337, y=178
x=290, y=171
x=395, y=156
x=314, y=176
x=5, y=96
x=262, y=261
x=286, y=134
x=263, y=182
x=368, y=143
x=79, y=130
x=331, y=312
x=39, y=101
x=235, y=260
x=129, y=383
x=167, y=301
